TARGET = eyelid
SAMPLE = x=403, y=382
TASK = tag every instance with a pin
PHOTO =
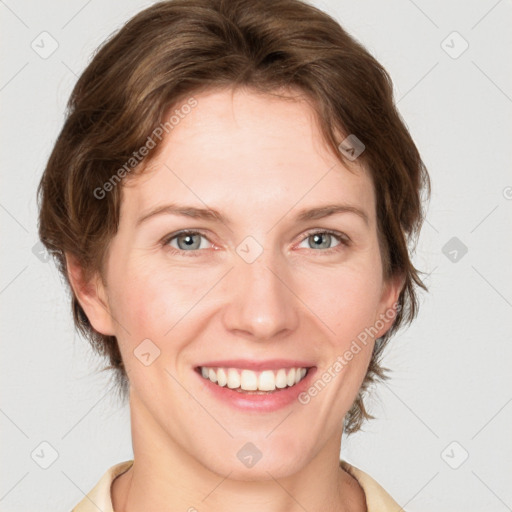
x=344, y=239
x=168, y=238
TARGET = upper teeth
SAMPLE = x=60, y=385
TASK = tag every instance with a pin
x=249, y=380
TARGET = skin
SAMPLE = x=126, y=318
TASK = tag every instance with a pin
x=258, y=159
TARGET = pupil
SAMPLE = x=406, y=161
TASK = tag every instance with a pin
x=186, y=240
x=318, y=239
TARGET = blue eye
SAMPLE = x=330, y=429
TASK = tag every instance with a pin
x=323, y=239
x=186, y=241
x=190, y=241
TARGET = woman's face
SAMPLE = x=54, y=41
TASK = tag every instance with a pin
x=248, y=298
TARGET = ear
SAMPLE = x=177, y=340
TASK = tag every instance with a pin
x=92, y=297
x=387, y=310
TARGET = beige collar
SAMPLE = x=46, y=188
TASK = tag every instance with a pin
x=99, y=498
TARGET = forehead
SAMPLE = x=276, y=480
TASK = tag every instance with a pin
x=237, y=148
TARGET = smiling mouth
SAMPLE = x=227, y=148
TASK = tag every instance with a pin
x=254, y=382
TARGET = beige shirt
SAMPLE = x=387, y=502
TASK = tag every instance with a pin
x=99, y=498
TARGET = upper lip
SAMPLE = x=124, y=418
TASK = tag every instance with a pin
x=250, y=364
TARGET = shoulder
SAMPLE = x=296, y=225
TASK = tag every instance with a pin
x=377, y=499
x=99, y=497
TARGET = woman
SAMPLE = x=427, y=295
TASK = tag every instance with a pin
x=231, y=200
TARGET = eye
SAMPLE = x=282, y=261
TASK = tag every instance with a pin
x=323, y=240
x=190, y=241
x=185, y=241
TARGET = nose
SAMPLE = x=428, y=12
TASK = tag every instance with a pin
x=260, y=302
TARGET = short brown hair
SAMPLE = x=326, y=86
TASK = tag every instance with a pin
x=178, y=48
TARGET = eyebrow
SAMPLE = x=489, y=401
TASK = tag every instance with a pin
x=211, y=214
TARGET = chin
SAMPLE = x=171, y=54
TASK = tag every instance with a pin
x=257, y=458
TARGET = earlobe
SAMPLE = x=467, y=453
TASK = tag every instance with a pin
x=91, y=295
x=389, y=301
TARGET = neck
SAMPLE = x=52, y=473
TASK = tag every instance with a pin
x=165, y=476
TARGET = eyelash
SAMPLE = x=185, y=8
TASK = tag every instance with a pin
x=342, y=238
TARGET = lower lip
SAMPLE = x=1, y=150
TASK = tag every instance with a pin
x=265, y=402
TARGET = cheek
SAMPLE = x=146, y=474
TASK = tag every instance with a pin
x=349, y=307
x=140, y=303
x=348, y=304
x=151, y=302
x=147, y=308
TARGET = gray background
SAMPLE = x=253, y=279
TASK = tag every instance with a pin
x=450, y=395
